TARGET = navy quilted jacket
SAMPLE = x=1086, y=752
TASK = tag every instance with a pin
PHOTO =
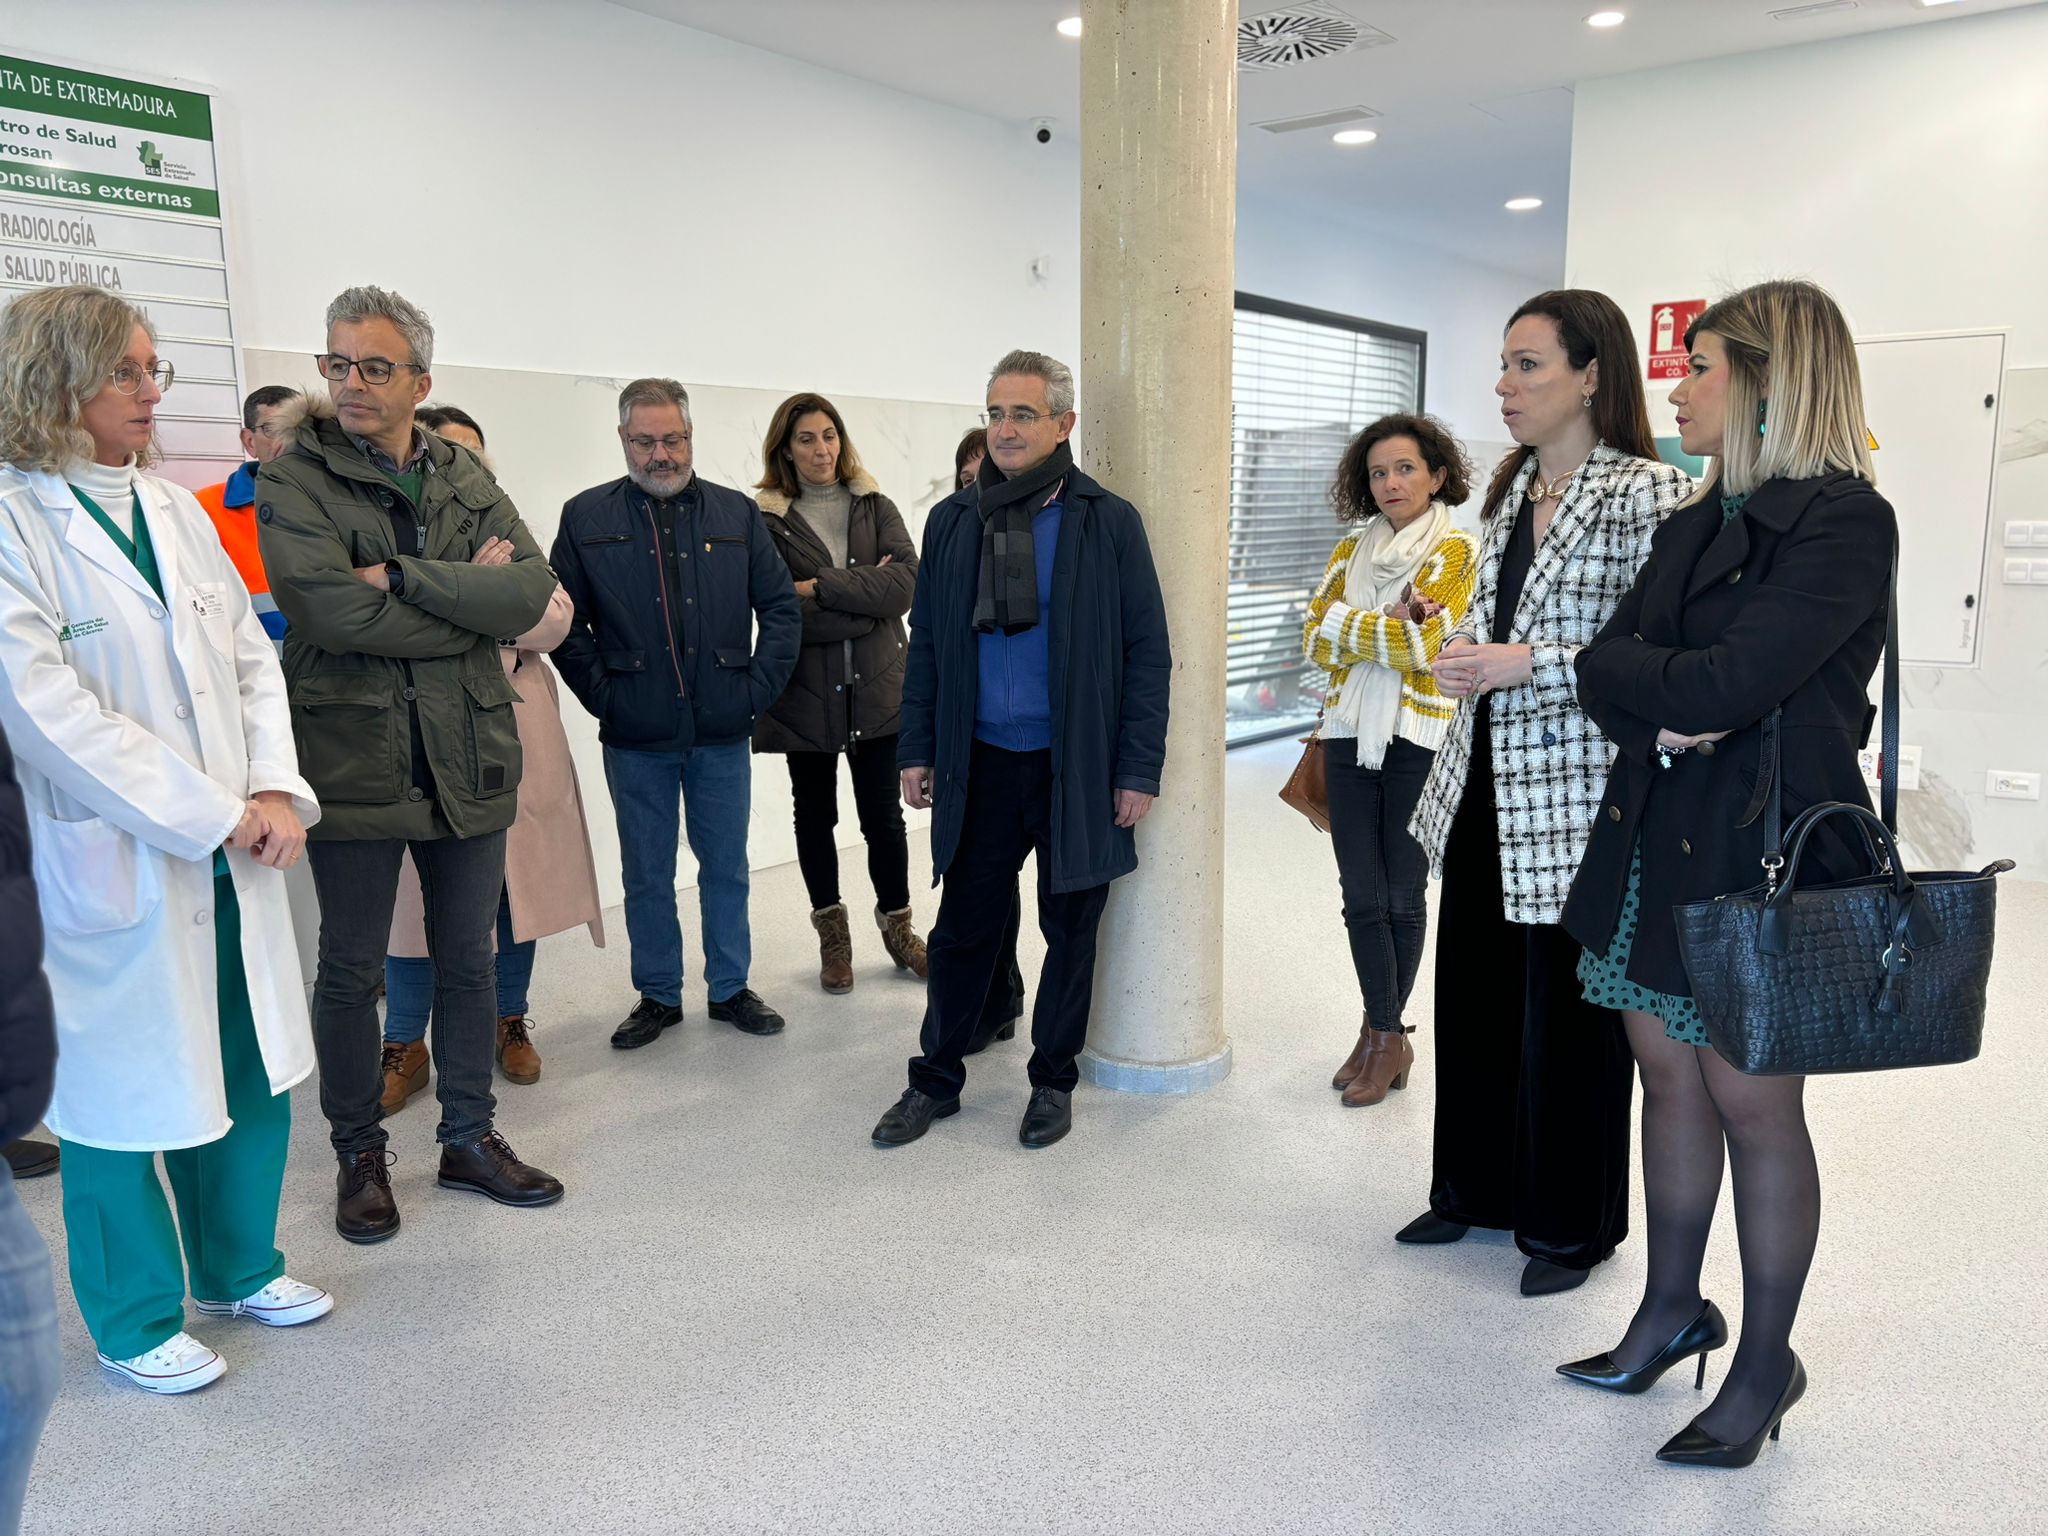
x=28, y=1034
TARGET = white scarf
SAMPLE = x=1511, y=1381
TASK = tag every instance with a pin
x=1384, y=562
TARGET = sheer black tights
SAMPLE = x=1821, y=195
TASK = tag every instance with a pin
x=1694, y=1104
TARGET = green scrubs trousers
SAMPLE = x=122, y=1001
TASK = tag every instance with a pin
x=126, y=1269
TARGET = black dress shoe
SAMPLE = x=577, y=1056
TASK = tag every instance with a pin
x=1048, y=1117
x=1693, y=1447
x=746, y=1012
x=1540, y=1277
x=364, y=1211
x=31, y=1159
x=1707, y=1332
x=644, y=1024
x=910, y=1117
x=1431, y=1228
x=988, y=1034
x=489, y=1166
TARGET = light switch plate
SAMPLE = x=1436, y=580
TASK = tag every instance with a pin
x=2040, y=534
x=2018, y=535
x=2008, y=784
x=2040, y=572
x=2016, y=571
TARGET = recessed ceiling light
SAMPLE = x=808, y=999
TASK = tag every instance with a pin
x=1354, y=136
x=1523, y=204
x=1606, y=18
x=1071, y=27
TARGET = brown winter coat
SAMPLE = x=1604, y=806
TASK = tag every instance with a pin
x=848, y=683
x=549, y=871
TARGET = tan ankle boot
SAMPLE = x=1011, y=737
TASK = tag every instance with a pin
x=1356, y=1059
x=517, y=1058
x=835, y=949
x=405, y=1073
x=902, y=942
x=1388, y=1056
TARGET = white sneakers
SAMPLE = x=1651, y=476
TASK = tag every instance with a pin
x=284, y=1303
x=182, y=1364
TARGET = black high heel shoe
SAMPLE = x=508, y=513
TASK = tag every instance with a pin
x=1693, y=1447
x=1707, y=1332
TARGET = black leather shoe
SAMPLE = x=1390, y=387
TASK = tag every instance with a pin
x=1540, y=1277
x=490, y=1167
x=988, y=1035
x=910, y=1117
x=1705, y=1333
x=1431, y=1228
x=644, y=1024
x=1048, y=1117
x=1693, y=1447
x=364, y=1211
x=746, y=1012
x=31, y=1159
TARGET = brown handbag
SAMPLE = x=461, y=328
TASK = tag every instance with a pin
x=1308, y=788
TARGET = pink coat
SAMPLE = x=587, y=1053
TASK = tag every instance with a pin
x=549, y=872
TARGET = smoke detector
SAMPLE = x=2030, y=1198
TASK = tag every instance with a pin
x=1299, y=33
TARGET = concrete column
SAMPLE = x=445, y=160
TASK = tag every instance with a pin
x=1158, y=216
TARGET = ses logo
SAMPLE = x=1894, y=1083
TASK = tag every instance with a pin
x=154, y=163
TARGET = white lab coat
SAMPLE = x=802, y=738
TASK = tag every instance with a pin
x=139, y=729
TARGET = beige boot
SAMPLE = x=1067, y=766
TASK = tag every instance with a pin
x=902, y=942
x=835, y=949
x=1388, y=1056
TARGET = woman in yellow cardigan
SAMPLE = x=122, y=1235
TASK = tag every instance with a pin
x=1396, y=589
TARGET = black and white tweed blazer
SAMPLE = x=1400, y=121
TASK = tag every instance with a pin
x=1550, y=761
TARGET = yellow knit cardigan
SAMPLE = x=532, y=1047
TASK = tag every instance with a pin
x=1447, y=576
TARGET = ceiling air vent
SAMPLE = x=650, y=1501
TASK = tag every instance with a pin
x=1340, y=118
x=1299, y=33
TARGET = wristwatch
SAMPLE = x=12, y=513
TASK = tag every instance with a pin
x=395, y=574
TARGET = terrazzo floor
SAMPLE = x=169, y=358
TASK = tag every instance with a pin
x=1190, y=1316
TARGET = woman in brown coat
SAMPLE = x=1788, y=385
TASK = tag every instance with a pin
x=550, y=876
x=855, y=569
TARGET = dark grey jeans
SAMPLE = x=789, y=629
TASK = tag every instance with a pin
x=460, y=880
x=1382, y=870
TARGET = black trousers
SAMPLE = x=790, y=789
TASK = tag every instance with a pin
x=814, y=785
x=461, y=881
x=1533, y=1083
x=1382, y=870
x=1009, y=814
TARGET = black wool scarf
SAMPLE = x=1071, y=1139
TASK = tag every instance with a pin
x=1007, y=599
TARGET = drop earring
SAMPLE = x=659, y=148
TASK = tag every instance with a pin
x=1586, y=401
x=1760, y=407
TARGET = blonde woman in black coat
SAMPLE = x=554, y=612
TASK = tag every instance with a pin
x=1765, y=596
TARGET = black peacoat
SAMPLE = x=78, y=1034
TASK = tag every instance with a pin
x=1784, y=606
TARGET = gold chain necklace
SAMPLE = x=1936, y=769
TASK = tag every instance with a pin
x=1541, y=491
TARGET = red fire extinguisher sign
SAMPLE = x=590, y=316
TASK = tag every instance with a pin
x=1668, y=325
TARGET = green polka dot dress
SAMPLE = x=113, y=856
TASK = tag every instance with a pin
x=1605, y=977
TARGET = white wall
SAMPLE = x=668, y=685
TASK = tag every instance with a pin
x=1904, y=172
x=569, y=186
x=1337, y=260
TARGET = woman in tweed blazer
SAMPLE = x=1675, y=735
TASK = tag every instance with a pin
x=1534, y=1083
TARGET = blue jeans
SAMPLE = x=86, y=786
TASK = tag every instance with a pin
x=715, y=787
x=29, y=1365
x=409, y=983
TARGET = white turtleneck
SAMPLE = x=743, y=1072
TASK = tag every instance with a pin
x=111, y=486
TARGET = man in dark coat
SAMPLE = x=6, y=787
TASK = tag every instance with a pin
x=28, y=1060
x=1034, y=720
x=671, y=577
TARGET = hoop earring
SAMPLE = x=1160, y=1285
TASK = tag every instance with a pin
x=1587, y=402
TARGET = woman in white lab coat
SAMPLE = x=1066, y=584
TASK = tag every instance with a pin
x=147, y=714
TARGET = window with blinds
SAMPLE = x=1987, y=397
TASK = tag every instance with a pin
x=1303, y=383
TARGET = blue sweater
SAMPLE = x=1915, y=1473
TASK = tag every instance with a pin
x=1013, y=702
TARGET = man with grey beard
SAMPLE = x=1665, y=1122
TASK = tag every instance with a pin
x=670, y=575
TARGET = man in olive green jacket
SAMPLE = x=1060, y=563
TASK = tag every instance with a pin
x=399, y=564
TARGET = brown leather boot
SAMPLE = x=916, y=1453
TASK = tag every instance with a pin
x=1388, y=1056
x=517, y=1058
x=405, y=1072
x=1356, y=1059
x=835, y=949
x=902, y=942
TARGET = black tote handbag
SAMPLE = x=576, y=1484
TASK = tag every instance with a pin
x=1887, y=970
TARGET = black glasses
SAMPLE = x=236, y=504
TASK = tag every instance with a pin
x=375, y=370
x=129, y=376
